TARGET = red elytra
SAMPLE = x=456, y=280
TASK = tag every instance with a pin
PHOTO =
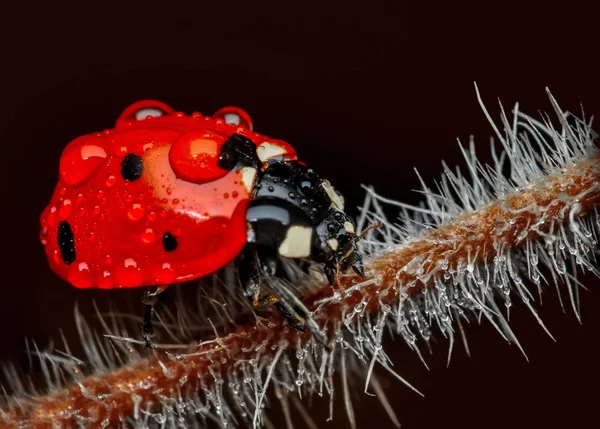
x=118, y=226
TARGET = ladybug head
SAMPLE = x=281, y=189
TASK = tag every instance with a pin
x=159, y=198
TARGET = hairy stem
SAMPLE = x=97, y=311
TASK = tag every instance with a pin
x=472, y=245
x=474, y=236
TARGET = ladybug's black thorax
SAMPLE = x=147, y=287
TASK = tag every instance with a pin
x=292, y=184
x=238, y=150
x=296, y=212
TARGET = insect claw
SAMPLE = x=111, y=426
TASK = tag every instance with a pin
x=147, y=328
x=359, y=267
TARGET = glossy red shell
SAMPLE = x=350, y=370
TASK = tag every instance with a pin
x=118, y=225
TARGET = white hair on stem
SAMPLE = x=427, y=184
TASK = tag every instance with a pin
x=475, y=245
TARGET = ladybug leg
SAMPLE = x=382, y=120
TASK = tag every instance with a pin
x=356, y=263
x=249, y=270
x=291, y=315
x=249, y=274
x=330, y=272
x=298, y=316
x=150, y=299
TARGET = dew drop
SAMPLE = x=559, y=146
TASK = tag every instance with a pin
x=135, y=212
x=148, y=236
x=79, y=275
x=306, y=185
x=160, y=418
x=105, y=280
x=128, y=274
x=165, y=274
x=151, y=217
x=111, y=180
x=78, y=163
x=65, y=210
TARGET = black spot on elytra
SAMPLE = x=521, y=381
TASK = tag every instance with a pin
x=169, y=242
x=132, y=167
x=66, y=244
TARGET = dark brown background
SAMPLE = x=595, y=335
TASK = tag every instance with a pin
x=365, y=93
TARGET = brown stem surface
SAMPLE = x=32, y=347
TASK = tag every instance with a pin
x=473, y=236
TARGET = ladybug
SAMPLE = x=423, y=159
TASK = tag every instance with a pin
x=164, y=197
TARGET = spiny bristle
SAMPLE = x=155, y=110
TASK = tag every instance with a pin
x=478, y=243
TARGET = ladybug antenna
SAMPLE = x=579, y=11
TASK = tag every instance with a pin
x=375, y=225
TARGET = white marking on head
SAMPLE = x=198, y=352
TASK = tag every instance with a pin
x=297, y=242
x=333, y=243
x=336, y=198
x=232, y=118
x=349, y=227
x=142, y=114
x=248, y=176
x=268, y=150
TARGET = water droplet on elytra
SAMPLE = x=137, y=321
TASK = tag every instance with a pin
x=148, y=236
x=105, y=280
x=65, y=210
x=128, y=274
x=135, y=212
x=165, y=274
x=79, y=275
